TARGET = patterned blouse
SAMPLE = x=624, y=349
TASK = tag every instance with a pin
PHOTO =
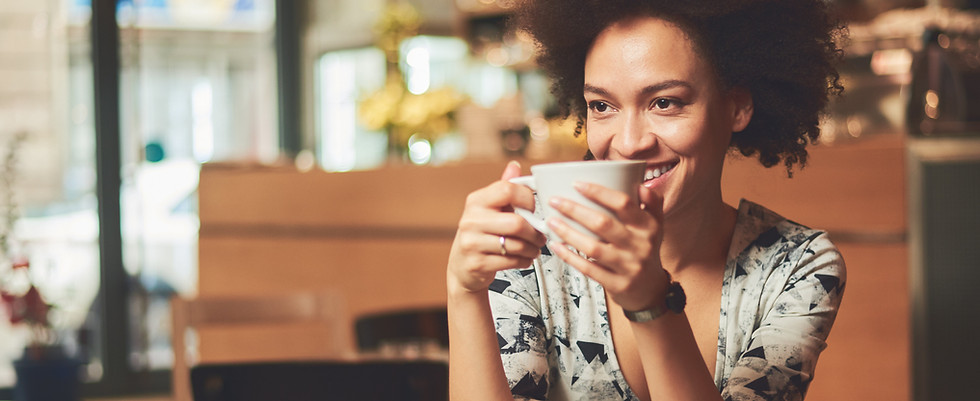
x=782, y=286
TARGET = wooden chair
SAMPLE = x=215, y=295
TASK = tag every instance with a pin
x=261, y=328
x=421, y=326
x=370, y=380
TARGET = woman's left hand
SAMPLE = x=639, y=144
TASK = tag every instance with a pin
x=625, y=259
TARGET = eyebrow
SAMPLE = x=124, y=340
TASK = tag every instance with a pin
x=668, y=84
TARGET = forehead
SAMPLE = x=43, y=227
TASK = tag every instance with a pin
x=635, y=38
x=642, y=50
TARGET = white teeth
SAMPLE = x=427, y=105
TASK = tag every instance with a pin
x=657, y=172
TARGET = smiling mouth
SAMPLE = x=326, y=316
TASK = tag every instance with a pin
x=653, y=173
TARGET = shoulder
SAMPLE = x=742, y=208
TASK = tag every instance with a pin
x=764, y=240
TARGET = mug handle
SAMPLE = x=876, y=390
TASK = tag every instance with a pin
x=537, y=222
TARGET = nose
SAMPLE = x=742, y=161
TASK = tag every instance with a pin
x=637, y=138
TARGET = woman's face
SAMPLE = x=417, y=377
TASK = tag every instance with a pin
x=651, y=97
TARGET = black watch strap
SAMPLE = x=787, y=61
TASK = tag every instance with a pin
x=674, y=302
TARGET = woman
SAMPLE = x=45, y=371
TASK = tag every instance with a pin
x=677, y=84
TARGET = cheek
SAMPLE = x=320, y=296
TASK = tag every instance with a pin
x=683, y=139
x=598, y=141
x=695, y=138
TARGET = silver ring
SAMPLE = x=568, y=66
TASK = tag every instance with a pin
x=503, y=245
x=583, y=255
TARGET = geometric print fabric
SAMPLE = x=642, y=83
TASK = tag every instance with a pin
x=782, y=286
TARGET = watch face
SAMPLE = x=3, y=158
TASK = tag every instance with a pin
x=676, y=298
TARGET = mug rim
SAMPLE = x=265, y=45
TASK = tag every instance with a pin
x=580, y=163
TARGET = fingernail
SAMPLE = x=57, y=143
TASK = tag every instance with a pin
x=580, y=186
x=515, y=163
x=555, y=202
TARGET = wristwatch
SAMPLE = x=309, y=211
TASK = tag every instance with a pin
x=674, y=302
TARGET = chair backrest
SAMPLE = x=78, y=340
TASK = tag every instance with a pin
x=322, y=381
x=420, y=325
x=232, y=329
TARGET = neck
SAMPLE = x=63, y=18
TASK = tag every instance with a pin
x=698, y=237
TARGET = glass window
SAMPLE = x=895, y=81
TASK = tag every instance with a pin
x=427, y=64
x=197, y=85
x=46, y=124
x=345, y=76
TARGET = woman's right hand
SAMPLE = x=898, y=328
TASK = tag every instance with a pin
x=476, y=254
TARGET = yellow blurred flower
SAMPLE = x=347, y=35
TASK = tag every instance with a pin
x=403, y=114
x=395, y=109
x=398, y=21
x=378, y=109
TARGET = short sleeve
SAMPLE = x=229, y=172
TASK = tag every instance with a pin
x=782, y=352
x=521, y=333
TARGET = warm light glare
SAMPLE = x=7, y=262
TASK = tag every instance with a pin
x=340, y=115
x=932, y=99
x=418, y=75
x=497, y=57
x=305, y=160
x=419, y=150
x=202, y=105
x=855, y=127
x=539, y=129
x=932, y=104
x=891, y=61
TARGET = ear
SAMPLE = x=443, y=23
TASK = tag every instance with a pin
x=742, y=112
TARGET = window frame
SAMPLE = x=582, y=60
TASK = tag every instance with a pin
x=111, y=303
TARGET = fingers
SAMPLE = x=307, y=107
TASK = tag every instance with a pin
x=490, y=237
x=502, y=195
x=515, y=247
x=487, y=210
x=630, y=283
x=590, y=268
x=589, y=248
x=493, y=246
x=512, y=170
x=497, y=222
x=626, y=257
x=476, y=257
x=651, y=202
x=606, y=227
x=474, y=271
x=506, y=225
x=622, y=205
x=627, y=241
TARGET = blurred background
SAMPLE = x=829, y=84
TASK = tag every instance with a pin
x=130, y=125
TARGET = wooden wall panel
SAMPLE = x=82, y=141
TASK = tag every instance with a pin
x=375, y=273
x=406, y=197
x=370, y=274
x=858, y=189
x=867, y=356
x=263, y=342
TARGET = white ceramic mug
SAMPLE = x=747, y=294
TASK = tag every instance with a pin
x=558, y=179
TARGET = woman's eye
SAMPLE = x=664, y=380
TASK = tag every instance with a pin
x=663, y=104
x=598, y=106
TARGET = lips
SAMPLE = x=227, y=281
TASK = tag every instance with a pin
x=653, y=172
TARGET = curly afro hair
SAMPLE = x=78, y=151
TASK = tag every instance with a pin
x=784, y=52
